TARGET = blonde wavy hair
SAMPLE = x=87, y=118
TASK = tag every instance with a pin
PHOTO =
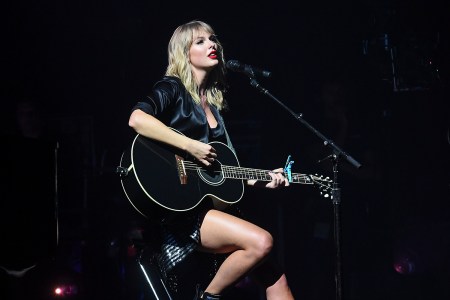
x=179, y=65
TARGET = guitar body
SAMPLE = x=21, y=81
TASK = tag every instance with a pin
x=160, y=179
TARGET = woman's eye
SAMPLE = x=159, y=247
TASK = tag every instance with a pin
x=213, y=38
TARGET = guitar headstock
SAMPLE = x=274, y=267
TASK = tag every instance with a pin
x=325, y=185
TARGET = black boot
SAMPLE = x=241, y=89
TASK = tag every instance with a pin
x=208, y=296
x=200, y=295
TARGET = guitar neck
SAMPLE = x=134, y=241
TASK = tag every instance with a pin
x=262, y=175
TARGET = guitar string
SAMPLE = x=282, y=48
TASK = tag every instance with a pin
x=241, y=170
x=264, y=173
x=194, y=166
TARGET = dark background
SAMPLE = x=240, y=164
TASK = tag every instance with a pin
x=382, y=66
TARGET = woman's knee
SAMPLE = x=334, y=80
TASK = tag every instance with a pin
x=263, y=244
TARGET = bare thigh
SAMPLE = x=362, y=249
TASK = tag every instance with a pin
x=223, y=233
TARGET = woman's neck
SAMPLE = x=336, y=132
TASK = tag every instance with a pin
x=202, y=88
x=201, y=76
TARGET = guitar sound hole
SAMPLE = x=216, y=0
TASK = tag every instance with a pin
x=212, y=174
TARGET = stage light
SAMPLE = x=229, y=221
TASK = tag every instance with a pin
x=58, y=291
x=422, y=248
x=405, y=264
x=65, y=290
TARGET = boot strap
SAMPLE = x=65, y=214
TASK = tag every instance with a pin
x=201, y=295
x=208, y=296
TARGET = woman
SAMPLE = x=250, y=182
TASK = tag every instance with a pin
x=189, y=99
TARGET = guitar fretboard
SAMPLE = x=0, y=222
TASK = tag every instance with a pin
x=263, y=175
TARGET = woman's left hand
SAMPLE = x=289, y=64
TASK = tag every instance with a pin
x=278, y=179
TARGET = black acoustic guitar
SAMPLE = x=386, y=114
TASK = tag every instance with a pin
x=156, y=177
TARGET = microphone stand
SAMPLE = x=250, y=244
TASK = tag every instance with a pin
x=337, y=154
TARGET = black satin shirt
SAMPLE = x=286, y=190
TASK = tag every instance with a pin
x=171, y=103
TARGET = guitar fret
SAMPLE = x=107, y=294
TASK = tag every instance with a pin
x=263, y=175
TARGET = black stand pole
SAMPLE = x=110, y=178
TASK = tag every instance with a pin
x=336, y=192
x=336, y=199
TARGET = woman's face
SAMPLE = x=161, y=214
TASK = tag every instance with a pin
x=203, y=53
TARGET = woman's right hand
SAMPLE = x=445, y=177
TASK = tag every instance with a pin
x=204, y=153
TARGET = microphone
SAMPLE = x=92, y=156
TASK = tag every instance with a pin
x=236, y=66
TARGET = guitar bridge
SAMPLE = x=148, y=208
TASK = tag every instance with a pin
x=181, y=170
